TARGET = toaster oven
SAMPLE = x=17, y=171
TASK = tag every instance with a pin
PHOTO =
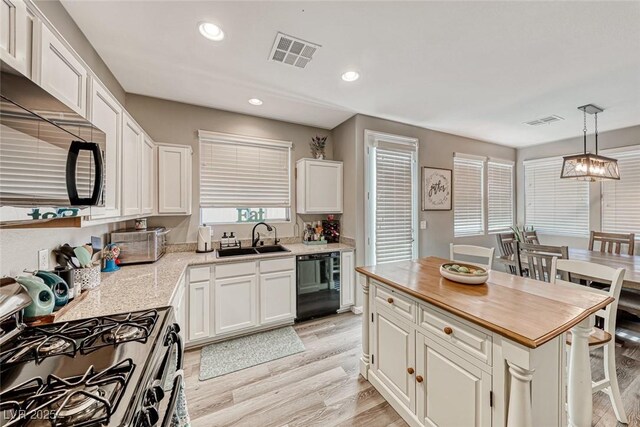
x=139, y=246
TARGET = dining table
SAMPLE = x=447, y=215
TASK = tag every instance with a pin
x=631, y=263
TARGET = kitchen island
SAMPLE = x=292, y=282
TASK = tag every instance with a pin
x=448, y=354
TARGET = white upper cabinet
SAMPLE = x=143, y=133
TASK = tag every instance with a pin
x=131, y=174
x=174, y=180
x=106, y=114
x=147, y=179
x=16, y=30
x=61, y=73
x=318, y=186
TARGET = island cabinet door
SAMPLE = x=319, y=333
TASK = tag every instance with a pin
x=453, y=392
x=394, y=356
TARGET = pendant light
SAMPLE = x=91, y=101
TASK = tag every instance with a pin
x=588, y=166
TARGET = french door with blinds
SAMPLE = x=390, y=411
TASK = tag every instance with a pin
x=392, y=198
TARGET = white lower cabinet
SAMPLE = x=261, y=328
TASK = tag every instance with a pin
x=347, y=279
x=235, y=303
x=277, y=296
x=199, y=310
x=431, y=380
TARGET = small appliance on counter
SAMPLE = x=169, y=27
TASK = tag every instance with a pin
x=204, y=239
x=140, y=246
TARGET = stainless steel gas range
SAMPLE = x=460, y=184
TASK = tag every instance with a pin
x=119, y=370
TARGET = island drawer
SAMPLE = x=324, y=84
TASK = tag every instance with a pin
x=395, y=302
x=458, y=334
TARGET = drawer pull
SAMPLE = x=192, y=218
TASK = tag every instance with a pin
x=447, y=330
x=410, y=371
x=419, y=379
x=390, y=300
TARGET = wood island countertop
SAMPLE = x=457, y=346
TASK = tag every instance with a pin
x=529, y=312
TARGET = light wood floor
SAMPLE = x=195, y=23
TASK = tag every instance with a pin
x=321, y=386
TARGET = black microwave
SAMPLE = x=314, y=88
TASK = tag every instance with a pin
x=51, y=158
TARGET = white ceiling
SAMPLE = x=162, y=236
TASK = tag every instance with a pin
x=478, y=69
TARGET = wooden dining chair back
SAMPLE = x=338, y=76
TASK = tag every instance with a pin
x=599, y=338
x=534, y=261
x=472, y=251
x=507, y=247
x=612, y=242
x=531, y=237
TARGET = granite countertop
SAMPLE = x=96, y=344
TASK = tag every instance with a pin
x=145, y=286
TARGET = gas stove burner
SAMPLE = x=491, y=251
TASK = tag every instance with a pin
x=53, y=345
x=88, y=399
x=125, y=332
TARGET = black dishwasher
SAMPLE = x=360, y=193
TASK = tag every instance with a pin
x=317, y=285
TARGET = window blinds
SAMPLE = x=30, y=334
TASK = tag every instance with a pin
x=621, y=199
x=554, y=205
x=500, y=195
x=237, y=171
x=394, y=202
x=468, y=178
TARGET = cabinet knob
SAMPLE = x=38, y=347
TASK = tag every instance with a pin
x=410, y=371
x=447, y=330
x=419, y=379
x=390, y=300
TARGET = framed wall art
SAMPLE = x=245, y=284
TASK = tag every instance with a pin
x=437, y=189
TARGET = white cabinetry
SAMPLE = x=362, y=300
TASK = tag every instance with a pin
x=318, y=186
x=347, y=279
x=433, y=369
x=277, y=290
x=199, y=308
x=106, y=114
x=179, y=304
x=61, y=73
x=147, y=178
x=16, y=30
x=236, y=303
x=174, y=180
x=131, y=175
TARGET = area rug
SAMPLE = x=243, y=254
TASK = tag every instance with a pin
x=240, y=353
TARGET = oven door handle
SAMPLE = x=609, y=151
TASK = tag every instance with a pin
x=173, y=337
x=175, y=393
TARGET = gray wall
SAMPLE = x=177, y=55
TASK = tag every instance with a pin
x=62, y=21
x=611, y=139
x=344, y=149
x=178, y=123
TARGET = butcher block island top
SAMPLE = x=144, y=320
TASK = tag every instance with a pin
x=526, y=311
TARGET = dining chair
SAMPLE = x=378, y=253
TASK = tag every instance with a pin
x=506, y=245
x=612, y=242
x=599, y=337
x=534, y=261
x=531, y=237
x=472, y=251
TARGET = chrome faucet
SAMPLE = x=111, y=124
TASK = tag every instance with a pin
x=254, y=239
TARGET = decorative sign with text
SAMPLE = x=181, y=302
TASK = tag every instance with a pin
x=437, y=189
x=250, y=215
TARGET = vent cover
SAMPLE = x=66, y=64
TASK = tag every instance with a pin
x=289, y=50
x=544, y=120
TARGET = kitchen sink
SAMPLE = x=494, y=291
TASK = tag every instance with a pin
x=271, y=248
x=236, y=252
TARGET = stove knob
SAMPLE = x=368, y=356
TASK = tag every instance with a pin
x=150, y=417
x=154, y=395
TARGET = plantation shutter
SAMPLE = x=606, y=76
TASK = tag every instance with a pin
x=394, y=202
x=621, y=199
x=554, y=205
x=468, y=179
x=500, y=195
x=238, y=171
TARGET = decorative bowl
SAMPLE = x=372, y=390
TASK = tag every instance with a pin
x=470, y=274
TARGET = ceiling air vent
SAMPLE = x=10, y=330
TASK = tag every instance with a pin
x=544, y=120
x=292, y=51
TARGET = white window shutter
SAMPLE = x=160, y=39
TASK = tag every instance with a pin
x=243, y=172
x=554, y=205
x=500, y=195
x=468, y=186
x=394, y=203
x=621, y=199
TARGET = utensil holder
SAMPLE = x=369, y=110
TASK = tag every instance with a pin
x=86, y=278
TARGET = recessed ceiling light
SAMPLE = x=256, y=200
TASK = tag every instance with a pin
x=350, y=76
x=255, y=101
x=211, y=31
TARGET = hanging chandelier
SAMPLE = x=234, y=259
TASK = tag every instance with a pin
x=588, y=166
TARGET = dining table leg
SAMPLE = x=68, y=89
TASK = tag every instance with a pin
x=580, y=394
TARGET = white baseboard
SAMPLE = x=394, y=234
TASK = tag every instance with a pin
x=356, y=310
